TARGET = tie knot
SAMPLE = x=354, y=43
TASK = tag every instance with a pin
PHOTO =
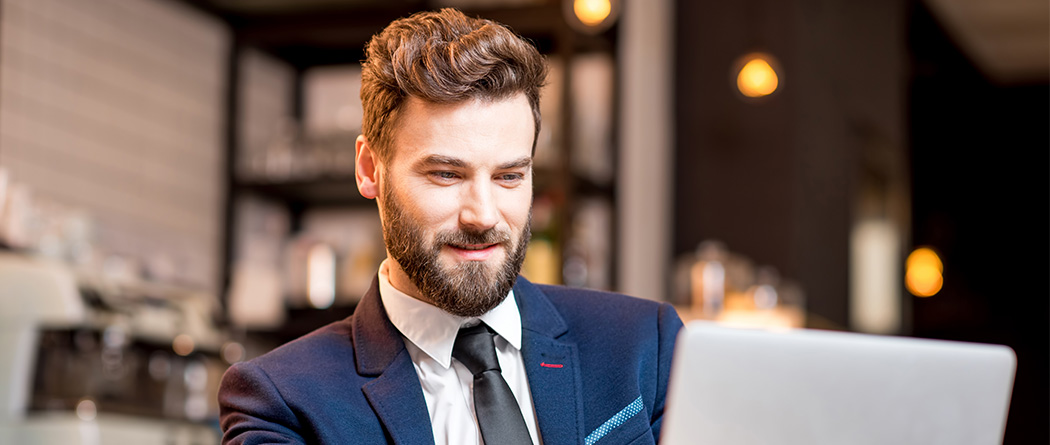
x=476, y=350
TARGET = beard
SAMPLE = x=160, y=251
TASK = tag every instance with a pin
x=467, y=289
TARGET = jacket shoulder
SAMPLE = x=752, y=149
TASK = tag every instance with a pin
x=589, y=303
x=327, y=350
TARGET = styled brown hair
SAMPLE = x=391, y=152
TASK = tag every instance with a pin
x=444, y=57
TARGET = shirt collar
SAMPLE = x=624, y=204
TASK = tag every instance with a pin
x=433, y=330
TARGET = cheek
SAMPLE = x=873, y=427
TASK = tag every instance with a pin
x=435, y=210
x=517, y=209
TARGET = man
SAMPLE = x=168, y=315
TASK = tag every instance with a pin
x=450, y=345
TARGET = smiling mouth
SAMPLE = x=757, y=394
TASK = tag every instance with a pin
x=471, y=246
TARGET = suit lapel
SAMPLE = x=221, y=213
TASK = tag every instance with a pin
x=398, y=401
x=552, y=366
x=394, y=395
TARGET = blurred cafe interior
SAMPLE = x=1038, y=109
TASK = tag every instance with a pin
x=177, y=190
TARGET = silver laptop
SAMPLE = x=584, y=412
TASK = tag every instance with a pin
x=748, y=386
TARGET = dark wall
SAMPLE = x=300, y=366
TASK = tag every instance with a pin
x=980, y=154
x=776, y=178
x=734, y=172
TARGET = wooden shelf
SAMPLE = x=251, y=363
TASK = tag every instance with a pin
x=305, y=36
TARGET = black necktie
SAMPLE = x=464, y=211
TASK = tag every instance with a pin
x=498, y=414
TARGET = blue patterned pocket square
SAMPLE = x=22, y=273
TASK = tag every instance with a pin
x=626, y=413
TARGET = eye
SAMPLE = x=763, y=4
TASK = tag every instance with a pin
x=446, y=175
x=511, y=178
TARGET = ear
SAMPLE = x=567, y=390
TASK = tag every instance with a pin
x=366, y=168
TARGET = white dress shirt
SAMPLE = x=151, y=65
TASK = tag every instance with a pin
x=429, y=335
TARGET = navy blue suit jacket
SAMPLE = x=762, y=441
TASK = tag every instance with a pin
x=597, y=365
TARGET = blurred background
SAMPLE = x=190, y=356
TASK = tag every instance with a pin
x=177, y=192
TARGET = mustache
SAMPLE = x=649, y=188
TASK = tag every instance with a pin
x=489, y=236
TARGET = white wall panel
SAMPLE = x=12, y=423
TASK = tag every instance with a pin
x=265, y=102
x=116, y=107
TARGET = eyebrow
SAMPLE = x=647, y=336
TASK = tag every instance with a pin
x=442, y=160
x=524, y=161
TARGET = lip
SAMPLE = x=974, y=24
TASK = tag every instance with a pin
x=474, y=254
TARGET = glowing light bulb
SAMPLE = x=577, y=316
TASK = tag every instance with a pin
x=757, y=77
x=923, y=271
x=592, y=12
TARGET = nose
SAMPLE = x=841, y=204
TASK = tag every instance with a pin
x=479, y=210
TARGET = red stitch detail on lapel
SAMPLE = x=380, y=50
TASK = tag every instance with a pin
x=551, y=365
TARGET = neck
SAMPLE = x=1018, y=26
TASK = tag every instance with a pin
x=400, y=280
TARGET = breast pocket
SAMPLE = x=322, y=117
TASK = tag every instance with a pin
x=628, y=426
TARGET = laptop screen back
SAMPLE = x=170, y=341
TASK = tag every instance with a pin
x=746, y=386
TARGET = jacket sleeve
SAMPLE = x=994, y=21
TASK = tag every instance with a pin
x=252, y=411
x=669, y=324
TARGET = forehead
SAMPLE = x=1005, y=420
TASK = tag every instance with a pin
x=476, y=130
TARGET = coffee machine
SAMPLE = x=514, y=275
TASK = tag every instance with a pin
x=88, y=361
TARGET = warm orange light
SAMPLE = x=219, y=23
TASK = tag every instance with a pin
x=592, y=12
x=923, y=272
x=183, y=345
x=757, y=77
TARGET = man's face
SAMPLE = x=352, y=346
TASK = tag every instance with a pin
x=455, y=200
